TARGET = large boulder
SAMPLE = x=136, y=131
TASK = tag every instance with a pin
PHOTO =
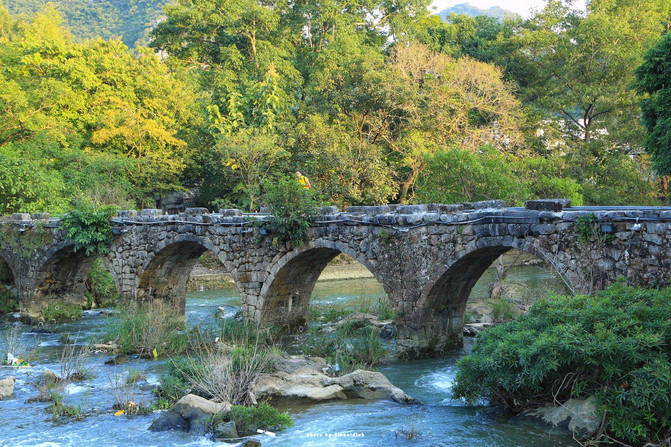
x=7, y=388
x=304, y=378
x=190, y=413
x=577, y=417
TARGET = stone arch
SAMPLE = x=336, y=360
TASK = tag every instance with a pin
x=166, y=274
x=8, y=279
x=443, y=301
x=285, y=294
x=62, y=277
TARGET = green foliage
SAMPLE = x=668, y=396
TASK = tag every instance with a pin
x=90, y=228
x=62, y=312
x=61, y=410
x=503, y=309
x=354, y=345
x=29, y=183
x=614, y=345
x=262, y=417
x=174, y=383
x=8, y=302
x=327, y=313
x=293, y=207
x=100, y=285
x=589, y=230
x=652, y=79
x=246, y=333
x=149, y=330
x=131, y=20
x=386, y=236
x=458, y=175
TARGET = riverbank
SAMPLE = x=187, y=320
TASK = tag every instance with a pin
x=209, y=274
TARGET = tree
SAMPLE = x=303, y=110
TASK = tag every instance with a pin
x=584, y=66
x=653, y=77
x=91, y=99
x=252, y=154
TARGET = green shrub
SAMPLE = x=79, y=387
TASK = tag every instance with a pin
x=90, y=228
x=149, y=330
x=293, y=208
x=265, y=417
x=62, y=312
x=100, y=285
x=615, y=345
x=468, y=317
x=245, y=333
x=354, y=345
x=503, y=309
x=61, y=410
x=326, y=313
x=174, y=383
x=8, y=302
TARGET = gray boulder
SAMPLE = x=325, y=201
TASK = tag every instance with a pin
x=225, y=430
x=190, y=413
x=576, y=417
x=298, y=378
x=7, y=388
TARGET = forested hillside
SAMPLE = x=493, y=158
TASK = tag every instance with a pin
x=87, y=19
x=374, y=102
x=468, y=10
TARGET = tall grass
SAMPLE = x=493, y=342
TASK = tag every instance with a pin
x=149, y=330
x=224, y=369
x=74, y=362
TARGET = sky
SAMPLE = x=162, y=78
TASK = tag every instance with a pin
x=521, y=7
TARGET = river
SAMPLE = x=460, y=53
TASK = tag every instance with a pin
x=439, y=421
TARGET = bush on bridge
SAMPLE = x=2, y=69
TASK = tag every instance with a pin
x=293, y=208
x=89, y=227
x=615, y=345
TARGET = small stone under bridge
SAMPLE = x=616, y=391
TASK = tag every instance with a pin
x=426, y=257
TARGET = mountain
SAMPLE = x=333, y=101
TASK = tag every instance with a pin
x=472, y=11
x=87, y=19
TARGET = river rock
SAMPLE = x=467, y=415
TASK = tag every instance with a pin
x=118, y=360
x=363, y=317
x=388, y=332
x=577, y=417
x=46, y=379
x=225, y=430
x=7, y=388
x=303, y=378
x=190, y=413
x=251, y=443
x=105, y=347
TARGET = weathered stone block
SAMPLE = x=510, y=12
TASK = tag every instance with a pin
x=228, y=212
x=554, y=205
x=196, y=211
x=484, y=204
x=151, y=212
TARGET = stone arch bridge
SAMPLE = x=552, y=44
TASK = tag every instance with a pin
x=426, y=257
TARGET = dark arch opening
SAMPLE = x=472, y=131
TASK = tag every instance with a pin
x=6, y=275
x=446, y=302
x=8, y=292
x=166, y=277
x=287, y=298
x=63, y=276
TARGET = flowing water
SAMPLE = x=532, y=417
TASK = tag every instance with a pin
x=439, y=421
